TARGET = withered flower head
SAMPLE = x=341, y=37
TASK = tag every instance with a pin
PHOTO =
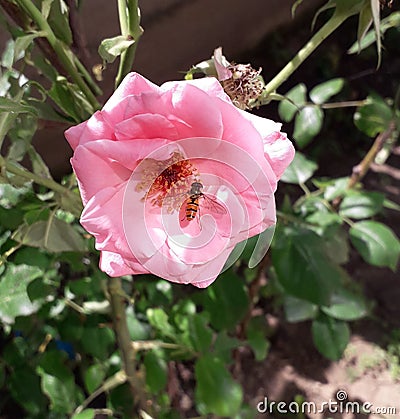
x=241, y=82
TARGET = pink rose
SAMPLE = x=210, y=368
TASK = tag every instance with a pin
x=174, y=177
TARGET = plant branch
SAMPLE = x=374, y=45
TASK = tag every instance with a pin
x=75, y=204
x=348, y=104
x=128, y=355
x=330, y=26
x=21, y=20
x=362, y=168
x=116, y=380
x=129, y=21
x=68, y=63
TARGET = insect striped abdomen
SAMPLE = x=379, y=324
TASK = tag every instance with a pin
x=192, y=206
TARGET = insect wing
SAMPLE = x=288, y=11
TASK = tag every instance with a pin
x=212, y=205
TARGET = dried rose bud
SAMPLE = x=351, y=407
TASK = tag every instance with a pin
x=241, y=82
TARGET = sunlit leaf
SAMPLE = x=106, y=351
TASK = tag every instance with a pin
x=94, y=377
x=392, y=21
x=307, y=125
x=376, y=9
x=61, y=392
x=23, y=42
x=295, y=99
x=14, y=299
x=324, y=91
x=361, y=205
x=376, y=243
x=300, y=170
x=9, y=105
x=346, y=305
x=364, y=22
x=85, y=414
x=111, y=48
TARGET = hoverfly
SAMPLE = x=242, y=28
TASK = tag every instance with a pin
x=193, y=202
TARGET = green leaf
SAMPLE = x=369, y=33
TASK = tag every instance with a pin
x=158, y=318
x=330, y=336
x=85, y=414
x=69, y=99
x=111, y=48
x=374, y=117
x=323, y=219
x=324, y=91
x=223, y=346
x=7, y=58
x=61, y=392
x=364, y=22
x=298, y=310
x=24, y=387
x=226, y=301
x=375, y=8
x=182, y=312
x=53, y=362
x=346, y=305
x=376, y=243
x=200, y=334
x=10, y=196
x=336, y=245
x=336, y=188
x=38, y=165
x=14, y=300
x=9, y=105
x=296, y=98
x=97, y=341
x=216, y=391
x=257, y=337
x=23, y=42
x=361, y=205
x=300, y=170
x=392, y=21
x=156, y=371
x=94, y=377
x=302, y=266
x=52, y=235
x=137, y=329
x=307, y=125
x=59, y=21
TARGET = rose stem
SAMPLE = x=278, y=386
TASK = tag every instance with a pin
x=58, y=47
x=117, y=301
x=129, y=21
x=330, y=26
x=361, y=169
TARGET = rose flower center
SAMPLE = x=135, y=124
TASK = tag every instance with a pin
x=167, y=181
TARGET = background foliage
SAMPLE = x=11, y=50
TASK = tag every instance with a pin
x=62, y=351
